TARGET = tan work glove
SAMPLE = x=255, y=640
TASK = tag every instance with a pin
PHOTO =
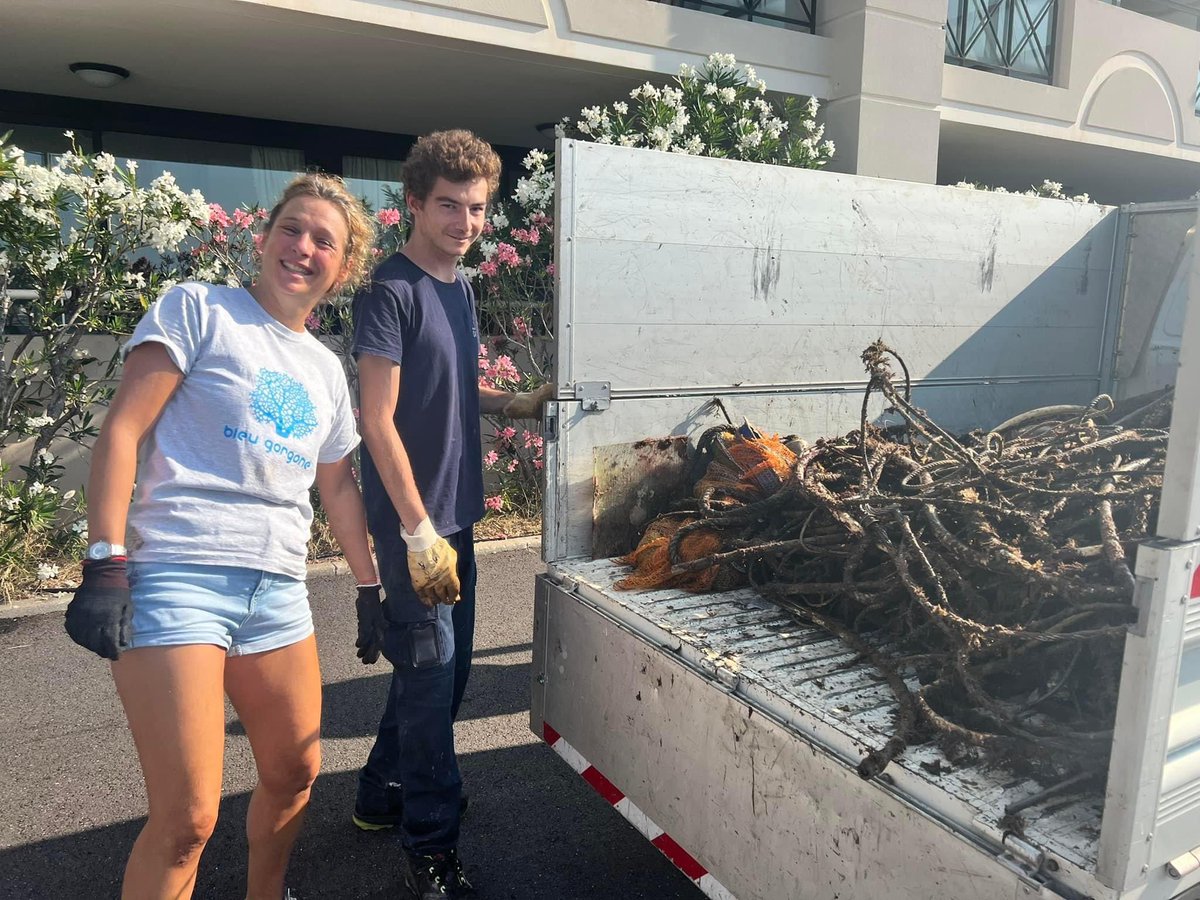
x=432, y=565
x=529, y=404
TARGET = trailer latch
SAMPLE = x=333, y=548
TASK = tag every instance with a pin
x=594, y=396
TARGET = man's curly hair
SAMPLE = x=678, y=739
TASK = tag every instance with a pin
x=456, y=155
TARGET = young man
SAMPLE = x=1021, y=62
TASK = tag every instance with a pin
x=417, y=343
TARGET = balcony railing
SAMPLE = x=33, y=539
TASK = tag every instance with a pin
x=799, y=15
x=1011, y=37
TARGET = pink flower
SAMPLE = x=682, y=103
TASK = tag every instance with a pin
x=508, y=255
x=506, y=434
x=217, y=216
x=488, y=228
x=495, y=504
x=312, y=322
x=550, y=270
x=491, y=458
x=512, y=466
x=219, y=237
x=539, y=464
x=388, y=217
x=263, y=213
x=489, y=268
x=531, y=439
x=529, y=236
x=520, y=326
x=540, y=220
x=354, y=412
x=242, y=219
x=258, y=242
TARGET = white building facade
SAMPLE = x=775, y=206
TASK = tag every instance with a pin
x=234, y=94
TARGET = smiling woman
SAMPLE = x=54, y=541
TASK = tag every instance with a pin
x=237, y=411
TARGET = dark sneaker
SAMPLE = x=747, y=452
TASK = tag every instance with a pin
x=378, y=810
x=382, y=815
x=436, y=876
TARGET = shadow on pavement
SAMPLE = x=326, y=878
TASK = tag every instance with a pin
x=531, y=833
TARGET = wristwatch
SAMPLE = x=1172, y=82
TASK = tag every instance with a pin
x=103, y=550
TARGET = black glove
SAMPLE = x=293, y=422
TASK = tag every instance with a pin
x=371, y=624
x=99, y=616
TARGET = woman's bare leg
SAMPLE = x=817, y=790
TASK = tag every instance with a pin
x=277, y=695
x=174, y=701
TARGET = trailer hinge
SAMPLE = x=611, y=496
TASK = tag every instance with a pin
x=594, y=396
x=550, y=423
x=1029, y=856
x=1184, y=865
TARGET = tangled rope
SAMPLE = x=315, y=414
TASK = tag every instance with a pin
x=987, y=576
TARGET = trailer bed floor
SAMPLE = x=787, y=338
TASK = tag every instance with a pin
x=814, y=683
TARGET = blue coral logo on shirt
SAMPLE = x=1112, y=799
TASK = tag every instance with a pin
x=282, y=401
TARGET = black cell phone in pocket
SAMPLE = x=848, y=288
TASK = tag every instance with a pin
x=425, y=644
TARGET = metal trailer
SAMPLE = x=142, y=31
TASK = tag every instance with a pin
x=723, y=730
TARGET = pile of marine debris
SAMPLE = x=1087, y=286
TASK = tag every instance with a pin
x=986, y=576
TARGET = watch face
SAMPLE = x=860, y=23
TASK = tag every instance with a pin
x=100, y=550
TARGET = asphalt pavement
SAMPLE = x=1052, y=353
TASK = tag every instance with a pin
x=71, y=797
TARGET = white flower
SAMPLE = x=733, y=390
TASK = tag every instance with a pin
x=131, y=165
x=45, y=457
x=36, y=489
x=134, y=279
x=621, y=107
x=722, y=61
x=3, y=261
x=80, y=528
x=46, y=571
x=469, y=272
x=728, y=94
x=10, y=503
x=487, y=249
x=710, y=89
x=499, y=220
x=33, y=423
x=687, y=71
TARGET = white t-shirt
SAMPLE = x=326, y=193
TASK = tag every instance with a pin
x=223, y=477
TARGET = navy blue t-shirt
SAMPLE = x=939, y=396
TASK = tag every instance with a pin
x=428, y=327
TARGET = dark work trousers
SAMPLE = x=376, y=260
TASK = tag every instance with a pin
x=414, y=749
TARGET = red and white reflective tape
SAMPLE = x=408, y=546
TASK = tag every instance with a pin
x=1196, y=584
x=684, y=861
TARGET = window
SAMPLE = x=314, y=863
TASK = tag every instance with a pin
x=232, y=175
x=795, y=14
x=371, y=179
x=1010, y=37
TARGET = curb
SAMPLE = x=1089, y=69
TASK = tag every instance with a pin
x=20, y=609
x=57, y=601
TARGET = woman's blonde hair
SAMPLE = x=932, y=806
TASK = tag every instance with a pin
x=360, y=227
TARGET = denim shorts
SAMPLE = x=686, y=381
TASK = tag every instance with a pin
x=243, y=610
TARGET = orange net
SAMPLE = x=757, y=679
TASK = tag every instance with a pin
x=743, y=469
